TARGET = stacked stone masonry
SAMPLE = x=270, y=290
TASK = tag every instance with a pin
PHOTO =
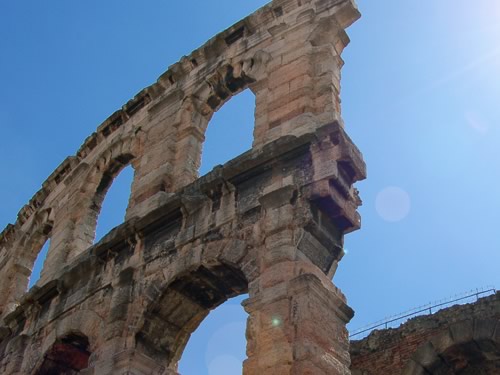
x=269, y=223
x=463, y=339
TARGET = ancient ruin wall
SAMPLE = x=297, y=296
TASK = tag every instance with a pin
x=287, y=53
x=463, y=339
x=270, y=223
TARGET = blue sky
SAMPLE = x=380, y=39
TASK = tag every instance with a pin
x=421, y=88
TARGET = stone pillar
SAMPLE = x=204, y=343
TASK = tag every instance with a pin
x=13, y=284
x=153, y=179
x=61, y=245
x=302, y=89
x=190, y=137
x=298, y=327
x=74, y=223
x=297, y=316
x=17, y=265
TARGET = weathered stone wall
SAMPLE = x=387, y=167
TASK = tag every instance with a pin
x=463, y=339
x=270, y=222
x=266, y=223
x=287, y=53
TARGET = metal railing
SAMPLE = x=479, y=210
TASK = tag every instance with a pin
x=429, y=308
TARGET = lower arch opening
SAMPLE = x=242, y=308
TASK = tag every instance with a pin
x=182, y=310
x=68, y=356
x=218, y=346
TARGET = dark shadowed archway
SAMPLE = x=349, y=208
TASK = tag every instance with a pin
x=170, y=321
x=68, y=356
x=471, y=347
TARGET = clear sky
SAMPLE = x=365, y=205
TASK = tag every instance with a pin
x=421, y=94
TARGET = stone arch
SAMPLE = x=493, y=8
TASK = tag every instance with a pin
x=230, y=78
x=226, y=81
x=98, y=180
x=87, y=322
x=196, y=286
x=68, y=355
x=25, y=252
x=76, y=336
x=32, y=241
x=469, y=347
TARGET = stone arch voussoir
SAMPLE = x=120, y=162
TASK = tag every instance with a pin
x=84, y=325
x=229, y=79
x=195, y=283
x=26, y=250
x=95, y=184
x=38, y=232
x=84, y=322
x=437, y=353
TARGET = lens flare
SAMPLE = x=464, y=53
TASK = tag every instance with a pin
x=393, y=204
x=276, y=321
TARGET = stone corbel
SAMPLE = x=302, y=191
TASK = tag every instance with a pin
x=256, y=67
x=328, y=32
x=193, y=119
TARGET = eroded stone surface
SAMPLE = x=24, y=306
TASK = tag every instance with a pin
x=458, y=340
x=270, y=222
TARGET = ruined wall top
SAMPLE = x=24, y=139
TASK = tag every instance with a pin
x=453, y=332
x=186, y=73
x=270, y=222
x=287, y=53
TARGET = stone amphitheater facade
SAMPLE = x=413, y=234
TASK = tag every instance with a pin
x=269, y=223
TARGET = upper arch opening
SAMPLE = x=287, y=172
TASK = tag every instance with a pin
x=112, y=198
x=229, y=132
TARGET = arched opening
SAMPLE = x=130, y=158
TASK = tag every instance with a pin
x=68, y=356
x=112, y=197
x=34, y=248
x=186, y=302
x=38, y=264
x=470, y=347
x=469, y=358
x=230, y=131
x=218, y=346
